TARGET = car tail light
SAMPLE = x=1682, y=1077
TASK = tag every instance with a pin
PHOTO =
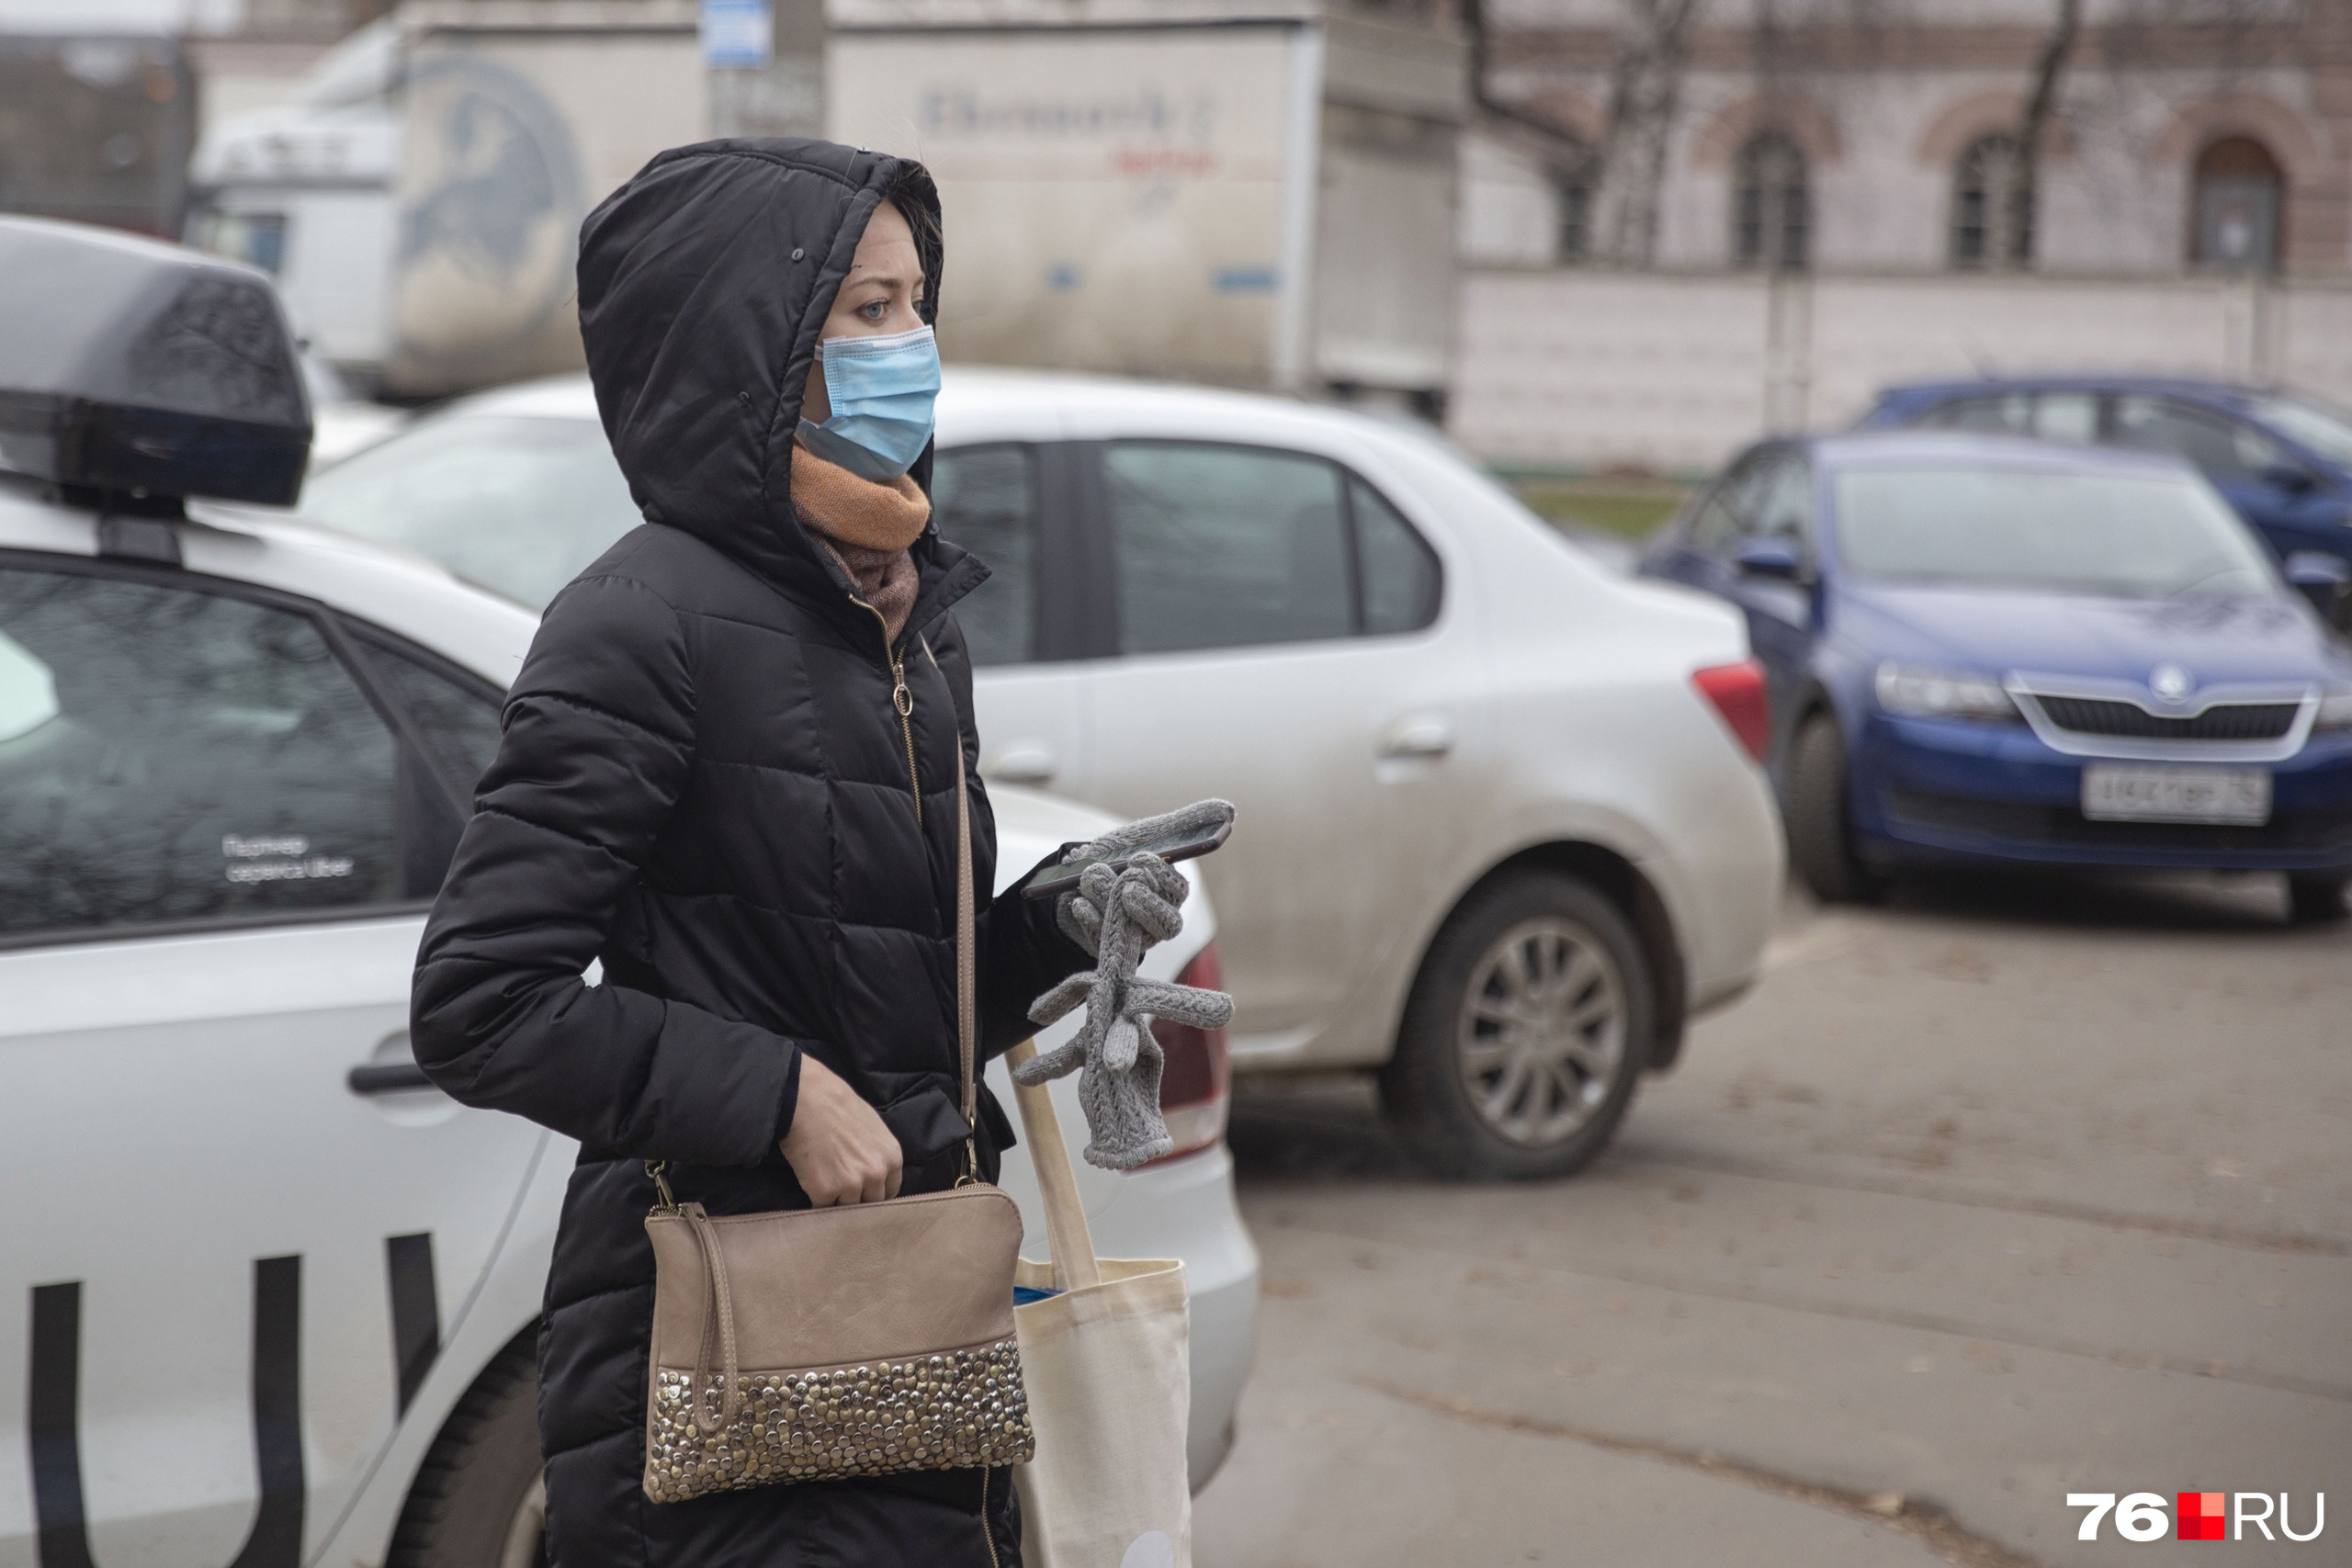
x=1739, y=694
x=1195, y=1085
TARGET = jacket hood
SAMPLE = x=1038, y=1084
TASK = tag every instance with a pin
x=704, y=286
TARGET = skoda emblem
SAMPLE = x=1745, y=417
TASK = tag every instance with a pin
x=2170, y=683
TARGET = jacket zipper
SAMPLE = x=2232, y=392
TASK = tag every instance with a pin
x=901, y=699
x=987, y=1533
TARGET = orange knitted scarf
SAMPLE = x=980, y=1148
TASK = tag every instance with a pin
x=866, y=527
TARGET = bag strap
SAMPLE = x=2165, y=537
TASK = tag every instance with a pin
x=718, y=1321
x=1067, y=1234
x=967, y=1029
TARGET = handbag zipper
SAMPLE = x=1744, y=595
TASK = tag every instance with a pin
x=987, y=1533
x=902, y=699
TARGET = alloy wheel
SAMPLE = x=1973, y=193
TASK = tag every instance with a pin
x=1541, y=1038
x=527, y=1532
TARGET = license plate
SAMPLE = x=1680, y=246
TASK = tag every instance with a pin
x=2120, y=793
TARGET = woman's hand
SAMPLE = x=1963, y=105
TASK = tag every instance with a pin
x=838, y=1147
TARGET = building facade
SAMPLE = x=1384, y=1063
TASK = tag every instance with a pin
x=2173, y=136
x=1691, y=222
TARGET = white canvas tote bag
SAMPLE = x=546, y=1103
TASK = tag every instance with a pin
x=1107, y=1366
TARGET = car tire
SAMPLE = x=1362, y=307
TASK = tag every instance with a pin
x=479, y=1500
x=2315, y=900
x=1525, y=1033
x=1820, y=823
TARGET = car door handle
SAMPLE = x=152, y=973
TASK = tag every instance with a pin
x=386, y=1078
x=1418, y=735
x=1022, y=763
x=398, y=1075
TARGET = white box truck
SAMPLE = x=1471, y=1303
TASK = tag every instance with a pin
x=420, y=202
x=1254, y=194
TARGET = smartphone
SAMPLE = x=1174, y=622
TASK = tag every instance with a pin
x=1048, y=881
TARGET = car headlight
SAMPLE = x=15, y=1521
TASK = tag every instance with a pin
x=2334, y=710
x=1941, y=694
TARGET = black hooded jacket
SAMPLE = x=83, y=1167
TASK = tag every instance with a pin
x=703, y=782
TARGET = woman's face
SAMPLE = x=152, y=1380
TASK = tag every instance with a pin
x=878, y=297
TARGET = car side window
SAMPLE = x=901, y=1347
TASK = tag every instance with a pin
x=1727, y=516
x=2048, y=416
x=1714, y=530
x=2220, y=446
x=456, y=716
x=1225, y=546
x=1784, y=508
x=1398, y=572
x=986, y=501
x=170, y=755
x=2066, y=416
x=2010, y=414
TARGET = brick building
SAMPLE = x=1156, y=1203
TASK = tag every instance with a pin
x=1885, y=134
x=1690, y=221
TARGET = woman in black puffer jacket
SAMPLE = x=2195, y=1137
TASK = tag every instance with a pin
x=727, y=771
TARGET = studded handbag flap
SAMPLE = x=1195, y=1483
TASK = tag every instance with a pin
x=813, y=1344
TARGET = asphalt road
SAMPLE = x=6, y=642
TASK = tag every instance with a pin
x=1996, y=1193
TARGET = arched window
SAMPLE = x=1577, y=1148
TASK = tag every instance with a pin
x=1771, y=212
x=2236, y=209
x=1992, y=205
x=1575, y=173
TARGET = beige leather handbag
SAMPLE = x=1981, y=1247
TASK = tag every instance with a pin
x=814, y=1344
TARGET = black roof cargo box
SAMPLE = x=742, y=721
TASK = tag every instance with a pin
x=132, y=365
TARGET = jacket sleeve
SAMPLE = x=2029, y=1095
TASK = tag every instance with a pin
x=1022, y=954
x=595, y=747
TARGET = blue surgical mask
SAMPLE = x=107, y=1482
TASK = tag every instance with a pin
x=882, y=390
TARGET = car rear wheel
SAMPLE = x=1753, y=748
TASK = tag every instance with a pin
x=1821, y=825
x=1525, y=1033
x=2315, y=900
x=479, y=1500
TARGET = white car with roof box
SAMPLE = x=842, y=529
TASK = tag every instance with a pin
x=265, y=1296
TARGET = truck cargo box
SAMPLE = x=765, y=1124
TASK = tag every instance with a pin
x=421, y=202
x=1260, y=195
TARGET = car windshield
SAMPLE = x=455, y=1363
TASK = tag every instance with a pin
x=511, y=502
x=2314, y=425
x=2130, y=535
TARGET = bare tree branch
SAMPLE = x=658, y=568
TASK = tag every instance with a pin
x=2049, y=65
x=1644, y=99
x=1562, y=143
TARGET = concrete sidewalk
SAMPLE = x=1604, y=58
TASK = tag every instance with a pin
x=2003, y=1192
x=1330, y=1473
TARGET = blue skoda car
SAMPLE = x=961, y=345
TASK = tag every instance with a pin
x=2283, y=460
x=2008, y=651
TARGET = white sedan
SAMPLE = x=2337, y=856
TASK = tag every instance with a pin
x=264, y=1294
x=1502, y=826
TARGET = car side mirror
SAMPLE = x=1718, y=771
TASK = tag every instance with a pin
x=2326, y=580
x=1774, y=557
x=2289, y=480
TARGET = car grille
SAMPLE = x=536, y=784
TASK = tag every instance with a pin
x=2065, y=825
x=2222, y=721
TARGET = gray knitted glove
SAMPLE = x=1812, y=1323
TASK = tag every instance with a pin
x=1118, y=910
x=1080, y=915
